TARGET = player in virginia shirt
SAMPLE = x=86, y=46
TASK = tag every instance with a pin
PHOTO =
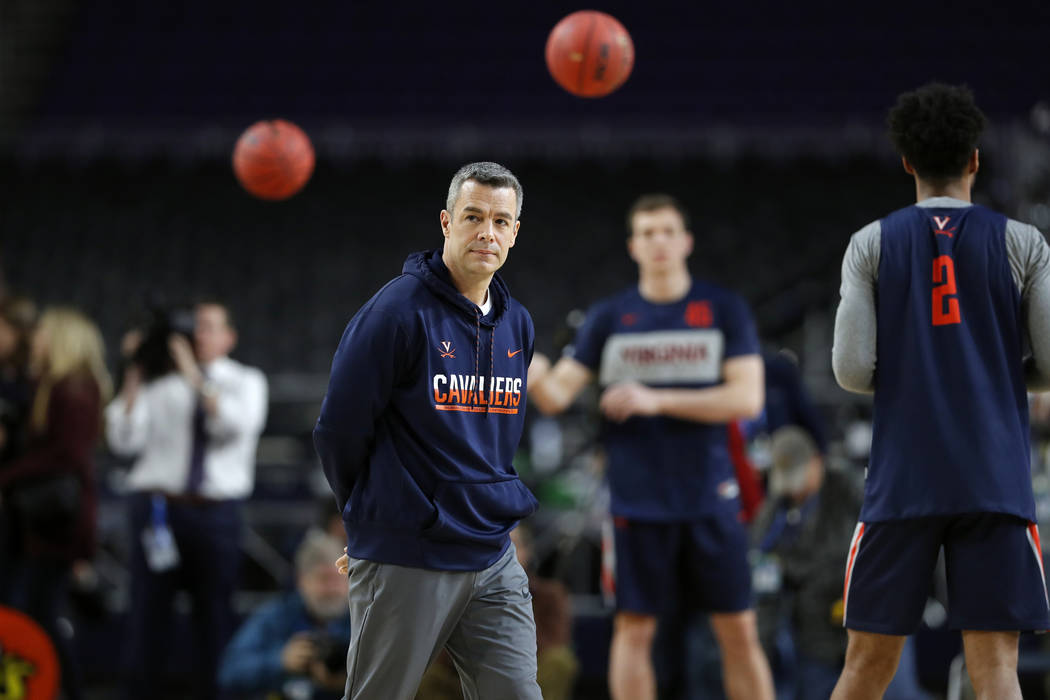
x=678, y=359
x=939, y=301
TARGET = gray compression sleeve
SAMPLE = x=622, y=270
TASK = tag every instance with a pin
x=853, y=353
x=1030, y=265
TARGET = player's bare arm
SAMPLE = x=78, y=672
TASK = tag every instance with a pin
x=740, y=396
x=552, y=389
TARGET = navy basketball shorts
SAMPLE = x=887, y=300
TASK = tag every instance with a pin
x=697, y=565
x=993, y=562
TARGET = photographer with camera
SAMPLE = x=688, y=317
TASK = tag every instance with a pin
x=192, y=416
x=295, y=646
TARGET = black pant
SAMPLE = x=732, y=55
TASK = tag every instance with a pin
x=207, y=536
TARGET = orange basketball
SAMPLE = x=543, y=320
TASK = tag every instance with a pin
x=589, y=53
x=273, y=159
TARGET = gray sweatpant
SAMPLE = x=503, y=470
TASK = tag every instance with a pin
x=401, y=617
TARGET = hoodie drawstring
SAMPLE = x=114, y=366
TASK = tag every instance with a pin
x=492, y=365
x=477, y=360
x=477, y=349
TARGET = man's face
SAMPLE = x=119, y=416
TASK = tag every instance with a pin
x=480, y=230
x=212, y=335
x=659, y=241
x=324, y=591
x=807, y=482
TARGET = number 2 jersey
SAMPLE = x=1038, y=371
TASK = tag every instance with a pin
x=940, y=302
x=664, y=469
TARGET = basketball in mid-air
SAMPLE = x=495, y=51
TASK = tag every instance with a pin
x=589, y=53
x=273, y=159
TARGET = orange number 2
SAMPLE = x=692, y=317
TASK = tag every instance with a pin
x=944, y=278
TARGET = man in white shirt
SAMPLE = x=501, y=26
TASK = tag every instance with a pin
x=194, y=432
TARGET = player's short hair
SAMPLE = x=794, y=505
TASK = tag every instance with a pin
x=654, y=202
x=317, y=548
x=936, y=127
x=484, y=173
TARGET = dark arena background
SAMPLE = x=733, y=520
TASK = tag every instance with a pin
x=118, y=119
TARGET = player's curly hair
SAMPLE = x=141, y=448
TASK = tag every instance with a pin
x=936, y=127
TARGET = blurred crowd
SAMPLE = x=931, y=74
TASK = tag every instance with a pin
x=189, y=418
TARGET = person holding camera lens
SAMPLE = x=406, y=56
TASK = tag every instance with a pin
x=295, y=646
x=192, y=416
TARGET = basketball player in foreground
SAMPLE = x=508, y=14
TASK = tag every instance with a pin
x=937, y=300
x=679, y=359
x=424, y=412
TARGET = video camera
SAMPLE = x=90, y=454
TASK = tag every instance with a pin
x=153, y=355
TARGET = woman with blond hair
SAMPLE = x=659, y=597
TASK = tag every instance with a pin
x=49, y=490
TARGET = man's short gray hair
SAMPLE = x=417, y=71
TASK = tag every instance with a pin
x=317, y=547
x=484, y=173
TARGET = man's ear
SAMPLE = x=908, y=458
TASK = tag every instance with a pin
x=514, y=234
x=446, y=223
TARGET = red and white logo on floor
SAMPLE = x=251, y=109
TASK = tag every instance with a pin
x=28, y=663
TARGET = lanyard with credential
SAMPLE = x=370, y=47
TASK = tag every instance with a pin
x=158, y=512
x=158, y=544
x=787, y=527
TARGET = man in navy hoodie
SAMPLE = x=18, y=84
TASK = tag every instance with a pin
x=424, y=411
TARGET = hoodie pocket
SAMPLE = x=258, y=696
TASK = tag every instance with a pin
x=389, y=496
x=482, y=512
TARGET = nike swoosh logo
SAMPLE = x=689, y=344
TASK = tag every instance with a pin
x=512, y=354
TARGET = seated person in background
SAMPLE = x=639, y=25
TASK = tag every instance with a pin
x=802, y=535
x=551, y=608
x=295, y=646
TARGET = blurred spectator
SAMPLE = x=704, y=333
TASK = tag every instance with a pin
x=48, y=492
x=295, y=647
x=17, y=316
x=195, y=431
x=802, y=534
x=551, y=607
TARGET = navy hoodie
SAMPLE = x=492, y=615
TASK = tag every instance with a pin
x=424, y=411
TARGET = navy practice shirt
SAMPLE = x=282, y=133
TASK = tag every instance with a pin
x=950, y=431
x=664, y=469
